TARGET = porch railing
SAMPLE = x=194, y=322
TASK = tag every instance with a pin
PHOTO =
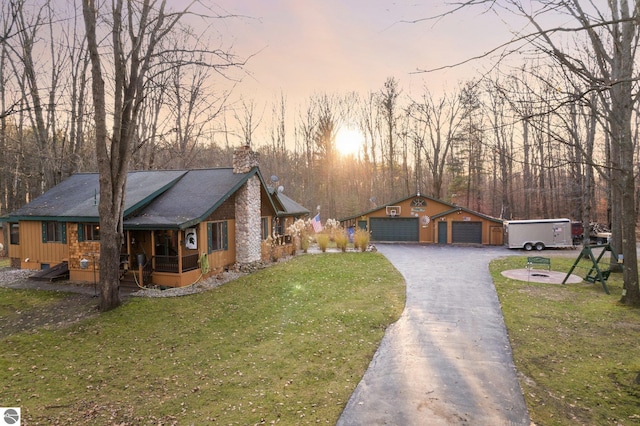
x=190, y=262
x=171, y=264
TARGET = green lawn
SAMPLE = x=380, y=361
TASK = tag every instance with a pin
x=289, y=344
x=576, y=348
x=12, y=302
x=285, y=345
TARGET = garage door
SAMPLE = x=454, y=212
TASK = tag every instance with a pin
x=466, y=232
x=396, y=229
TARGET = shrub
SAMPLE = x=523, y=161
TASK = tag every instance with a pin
x=276, y=252
x=342, y=239
x=304, y=242
x=271, y=251
x=333, y=228
x=300, y=231
x=361, y=239
x=323, y=241
x=266, y=249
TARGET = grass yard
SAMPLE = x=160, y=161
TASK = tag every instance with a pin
x=577, y=350
x=13, y=302
x=290, y=343
x=285, y=345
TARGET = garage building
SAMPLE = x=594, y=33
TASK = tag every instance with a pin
x=423, y=219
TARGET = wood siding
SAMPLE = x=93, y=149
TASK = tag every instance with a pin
x=428, y=230
x=32, y=252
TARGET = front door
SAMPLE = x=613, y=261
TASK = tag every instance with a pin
x=442, y=232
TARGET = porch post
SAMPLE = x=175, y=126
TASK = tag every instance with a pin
x=180, y=233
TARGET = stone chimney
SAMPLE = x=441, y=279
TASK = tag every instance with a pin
x=247, y=206
x=244, y=159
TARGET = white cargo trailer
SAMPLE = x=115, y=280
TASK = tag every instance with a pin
x=538, y=234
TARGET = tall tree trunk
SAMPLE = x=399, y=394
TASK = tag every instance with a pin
x=526, y=173
x=110, y=201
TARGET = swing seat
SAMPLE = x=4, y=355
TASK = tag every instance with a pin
x=592, y=278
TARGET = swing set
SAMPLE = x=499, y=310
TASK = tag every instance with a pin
x=595, y=274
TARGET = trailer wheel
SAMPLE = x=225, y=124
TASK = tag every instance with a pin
x=600, y=241
x=539, y=246
x=528, y=247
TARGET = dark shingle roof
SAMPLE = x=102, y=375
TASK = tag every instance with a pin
x=291, y=208
x=77, y=197
x=168, y=199
x=190, y=200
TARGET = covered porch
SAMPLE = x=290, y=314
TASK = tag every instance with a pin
x=168, y=258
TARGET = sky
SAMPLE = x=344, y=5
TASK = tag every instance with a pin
x=305, y=47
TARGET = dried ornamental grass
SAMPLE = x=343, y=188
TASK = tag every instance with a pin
x=342, y=240
x=361, y=239
x=323, y=241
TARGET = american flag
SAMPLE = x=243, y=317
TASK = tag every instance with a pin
x=317, y=225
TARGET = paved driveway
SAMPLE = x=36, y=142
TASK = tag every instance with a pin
x=447, y=360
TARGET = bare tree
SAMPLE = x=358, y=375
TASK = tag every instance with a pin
x=611, y=32
x=138, y=31
x=191, y=104
x=389, y=108
x=7, y=105
x=327, y=110
x=77, y=82
x=24, y=63
x=502, y=126
x=472, y=139
x=305, y=133
x=368, y=120
x=274, y=156
x=440, y=120
x=247, y=120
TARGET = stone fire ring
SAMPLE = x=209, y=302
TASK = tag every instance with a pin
x=541, y=276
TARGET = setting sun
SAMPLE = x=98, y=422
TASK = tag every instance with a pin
x=349, y=141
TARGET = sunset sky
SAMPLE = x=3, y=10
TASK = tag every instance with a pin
x=304, y=47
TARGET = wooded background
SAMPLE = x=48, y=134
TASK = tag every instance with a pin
x=528, y=143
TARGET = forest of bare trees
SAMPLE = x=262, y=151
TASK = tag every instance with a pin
x=540, y=139
x=526, y=144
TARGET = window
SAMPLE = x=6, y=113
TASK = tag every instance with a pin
x=265, y=227
x=14, y=237
x=54, y=232
x=279, y=226
x=217, y=236
x=88, y=232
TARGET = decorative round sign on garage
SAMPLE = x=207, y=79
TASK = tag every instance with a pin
x=424, y=220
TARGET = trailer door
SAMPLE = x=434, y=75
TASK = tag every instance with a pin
x=561, y=233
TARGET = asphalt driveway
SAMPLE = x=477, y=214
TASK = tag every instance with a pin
x=447, y=360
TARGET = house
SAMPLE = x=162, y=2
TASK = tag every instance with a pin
x=289, y=211
x=423, y=219
x=179, y=225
